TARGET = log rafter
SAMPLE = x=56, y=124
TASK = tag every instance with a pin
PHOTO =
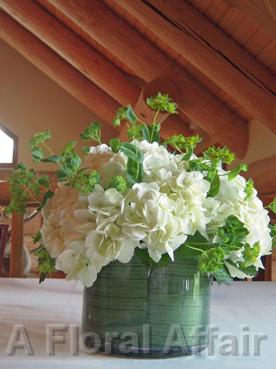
x=176, y=24
x=57, y=69
x=88, y=63
x=110, y=32
x=264, y=11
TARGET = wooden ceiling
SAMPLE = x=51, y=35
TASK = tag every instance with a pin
x=216, y=57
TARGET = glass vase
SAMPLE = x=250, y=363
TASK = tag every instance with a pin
x=132, y=311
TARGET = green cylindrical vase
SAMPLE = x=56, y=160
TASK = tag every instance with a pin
x=129, y=311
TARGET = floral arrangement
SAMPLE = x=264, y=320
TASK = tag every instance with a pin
x=148, y=197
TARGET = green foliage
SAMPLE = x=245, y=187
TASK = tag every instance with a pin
x=46, y=264
x=38, y=145
x=85, y=150
x=151, y=132
x=135, y=131
x=47, y=195
x=182, y=143
x=249, y=189
x=120, y=115
x=219, y=154
x=119, y=183
x=214, y=186
x=250, y=254
x=273, y=234
x=115, y=144
x=272, y=206
x=232, y=234
x=92, y=132
x=162, y=102
x=130, y=114
x=236, y=171
x=223, y=276
x=37, y=237
x=134, y=163
x=25, y=187
x=86, y=180
x=212, y=260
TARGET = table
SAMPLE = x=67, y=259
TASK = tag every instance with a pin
x=25, y=302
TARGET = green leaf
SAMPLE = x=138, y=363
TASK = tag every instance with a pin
x=181, y=144
x=37, y=155
x=44, y=181
x=51, y=159
x=85, y=180
x=151, y=133
x=214, y=187
x=92, y=132
x=212, y=260
x=86, y=150
x=131, y=116
x=37, y=237
x=39, y=138
x=115, y=144
x=46, y=264
x=162, y=102
x=272, y=206
x=134, y=171
x=46, y=197
x=249, y=189
x=62, y=174
x=250, y=253
x=220, y=154
x=131, y=151
x=119, y=183
x=120, y=115
x=222, y=276
x=135, y=131
x=234, y=172
x=232, y=235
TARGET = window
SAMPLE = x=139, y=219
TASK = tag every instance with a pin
x=8, y=148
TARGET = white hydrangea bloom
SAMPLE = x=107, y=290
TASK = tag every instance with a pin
x=150, y=216
x=107, y=163
x=65, y=217
x=158, y=164
x=231, y=200
x=190, y=188
x=77, y=266
x=86, y=233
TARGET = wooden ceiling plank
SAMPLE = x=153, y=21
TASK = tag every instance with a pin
x=57, y=69
x=111, y=32
x=263, y=11
x=180, y=30
x=81, y=56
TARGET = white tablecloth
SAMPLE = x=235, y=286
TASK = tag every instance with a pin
x=24, y=301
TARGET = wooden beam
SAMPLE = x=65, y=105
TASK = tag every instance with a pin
x=4, y=193
x=72, y=48
x=148, y=62
x=263, y=173
x=174, y=29
x=263, y=11
x=79, y=54
x=17, y=241
x=57, y=69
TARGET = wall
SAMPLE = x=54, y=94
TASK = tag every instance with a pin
x=262, y=143
x=30, y=102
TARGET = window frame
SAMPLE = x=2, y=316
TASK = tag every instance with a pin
x=15, y=149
